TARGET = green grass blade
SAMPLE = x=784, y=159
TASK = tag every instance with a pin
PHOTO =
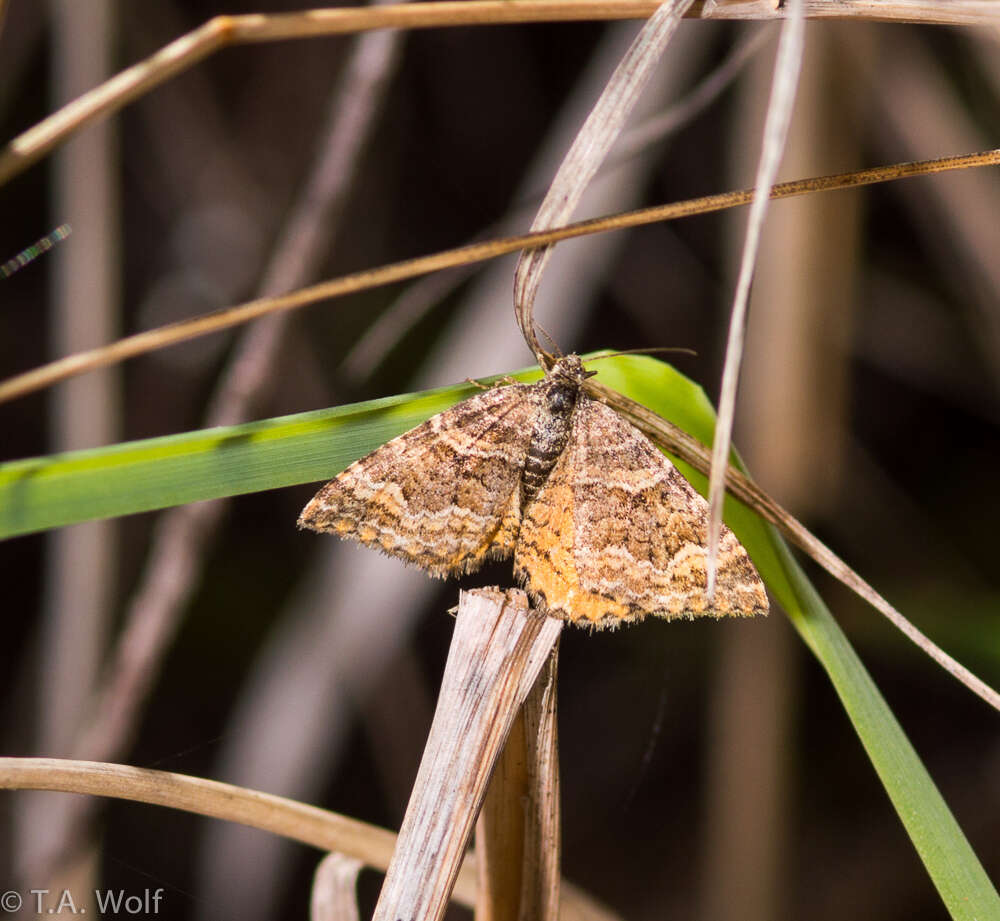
x=123, y=479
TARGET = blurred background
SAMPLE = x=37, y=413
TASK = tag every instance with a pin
x=708, y=771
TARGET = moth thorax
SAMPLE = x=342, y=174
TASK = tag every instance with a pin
x=550, y=435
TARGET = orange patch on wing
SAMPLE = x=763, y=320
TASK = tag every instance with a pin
x=544, y=559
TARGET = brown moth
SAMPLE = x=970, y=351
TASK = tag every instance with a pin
x=602, y=527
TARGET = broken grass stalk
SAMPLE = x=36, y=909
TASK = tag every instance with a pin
x=497, y=652
x=334, y=890
x=517, y=835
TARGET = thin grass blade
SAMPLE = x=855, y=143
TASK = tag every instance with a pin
x=779, y=112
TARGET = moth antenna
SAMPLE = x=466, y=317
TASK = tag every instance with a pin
x=559, y=352
x=652, y=351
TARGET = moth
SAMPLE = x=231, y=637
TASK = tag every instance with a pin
x=602, y=528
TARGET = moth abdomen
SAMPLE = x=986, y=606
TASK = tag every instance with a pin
x=549, y=436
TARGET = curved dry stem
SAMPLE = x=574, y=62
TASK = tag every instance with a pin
x=173, y=333
x=308, y=824
x=334, y=889
x=585, y=156
x=328, y=831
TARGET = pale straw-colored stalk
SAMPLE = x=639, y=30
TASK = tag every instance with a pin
x=334, y=889
x=787, y=67
x=497, y=652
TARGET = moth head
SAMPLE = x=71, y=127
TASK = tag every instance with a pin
x=570, y=369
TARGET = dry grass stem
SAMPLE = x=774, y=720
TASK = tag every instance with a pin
x=497, y=652
x=587, y=153
x=81, y=563
x=334, y=889
x=227, y=31
x=173, y=333
x=787, y=67
x=517, y=835
x=500, y=832
x=86, y=305
x=790, y=436
x=307, y=824
x=540, y=894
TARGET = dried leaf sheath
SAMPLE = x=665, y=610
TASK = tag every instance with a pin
x=602, y=527
x=498, y=649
